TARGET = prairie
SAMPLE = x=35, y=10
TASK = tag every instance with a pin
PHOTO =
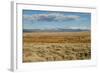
x=56, y=46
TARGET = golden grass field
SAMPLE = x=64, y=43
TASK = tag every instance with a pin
x=56, y=46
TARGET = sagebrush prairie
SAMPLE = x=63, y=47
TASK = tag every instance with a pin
x=56, y=46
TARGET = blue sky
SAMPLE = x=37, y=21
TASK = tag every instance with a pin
x=35, y=19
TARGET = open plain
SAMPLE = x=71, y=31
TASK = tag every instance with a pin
x=56, y=46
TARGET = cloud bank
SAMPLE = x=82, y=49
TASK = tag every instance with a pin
x=50, y=17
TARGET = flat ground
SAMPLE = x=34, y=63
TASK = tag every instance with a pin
x=56, y=46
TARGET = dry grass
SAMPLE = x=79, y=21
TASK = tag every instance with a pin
x=56, y=46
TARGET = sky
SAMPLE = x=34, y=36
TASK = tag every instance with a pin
x=35, y=19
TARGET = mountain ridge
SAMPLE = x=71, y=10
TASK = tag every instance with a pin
x=54, y=30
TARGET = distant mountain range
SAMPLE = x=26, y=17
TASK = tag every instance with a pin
x=55, y=30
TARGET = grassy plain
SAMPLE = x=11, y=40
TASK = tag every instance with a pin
x=56, y=46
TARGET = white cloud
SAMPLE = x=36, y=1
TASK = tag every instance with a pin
x=50, y=17
x=80, y=27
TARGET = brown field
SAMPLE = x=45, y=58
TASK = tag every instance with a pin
x=56, y=46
